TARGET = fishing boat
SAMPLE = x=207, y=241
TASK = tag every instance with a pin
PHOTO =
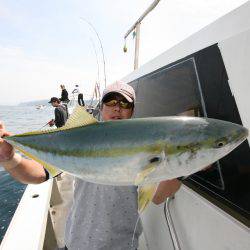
x=205, y=75
x=40, y=106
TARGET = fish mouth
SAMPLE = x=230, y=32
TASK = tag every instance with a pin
x=243, y=134
x=240, y=136
x=246, y=132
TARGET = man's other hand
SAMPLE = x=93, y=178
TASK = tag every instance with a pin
x=51, y=122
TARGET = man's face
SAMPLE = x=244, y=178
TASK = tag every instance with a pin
x=55, y=104
x=115, y=112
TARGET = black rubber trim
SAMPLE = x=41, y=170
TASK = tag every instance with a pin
x=46, y=173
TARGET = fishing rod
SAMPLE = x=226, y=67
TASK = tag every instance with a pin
x=46, y=124
x=98, y=75
x=94, y=48
x=103, y=58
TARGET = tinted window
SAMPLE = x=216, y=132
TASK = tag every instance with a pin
x=168, y=92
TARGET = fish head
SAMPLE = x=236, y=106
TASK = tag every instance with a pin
x=194, y=144
x=218, y=137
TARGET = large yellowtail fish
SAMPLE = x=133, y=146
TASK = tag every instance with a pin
x=131, y=152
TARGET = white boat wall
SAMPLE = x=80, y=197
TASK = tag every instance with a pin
x=205, y=75
x=208, y=75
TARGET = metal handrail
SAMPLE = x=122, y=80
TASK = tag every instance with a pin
x=150, y=8
x=170, y=223
x=136, y=27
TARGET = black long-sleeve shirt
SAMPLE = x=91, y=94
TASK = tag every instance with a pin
x=60, y=116
x=64, y=95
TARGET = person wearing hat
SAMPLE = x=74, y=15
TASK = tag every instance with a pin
x=101, y=216
x=61, y=114
x=104, y=217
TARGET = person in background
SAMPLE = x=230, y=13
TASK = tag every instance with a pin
x=79, y=95
x=64, y=95
x=64, y=98
x=61, y=114
x=80, y=100
x=102, y=217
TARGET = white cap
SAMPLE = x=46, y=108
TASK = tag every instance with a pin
x=122, y=88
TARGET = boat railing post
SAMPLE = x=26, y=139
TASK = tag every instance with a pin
x=137, y=43
x=56, y=198
x=170, y=223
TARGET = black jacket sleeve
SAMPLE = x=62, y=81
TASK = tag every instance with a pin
x=59, y=121
x=64, y=95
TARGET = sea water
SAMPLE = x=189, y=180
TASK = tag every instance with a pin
x=17, y=119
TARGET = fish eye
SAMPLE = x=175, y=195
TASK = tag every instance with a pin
x=155, y=159
x=220, y=144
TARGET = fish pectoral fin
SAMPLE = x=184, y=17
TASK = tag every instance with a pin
x=145, y=195
x=53, y=171
x=80, y=117
x=144, y=173
x=145, y=192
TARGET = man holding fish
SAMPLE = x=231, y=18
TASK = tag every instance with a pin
x=102, y=216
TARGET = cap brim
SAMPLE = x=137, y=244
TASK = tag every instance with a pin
x=128, y=98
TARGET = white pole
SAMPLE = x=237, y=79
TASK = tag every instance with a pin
x=137, y=44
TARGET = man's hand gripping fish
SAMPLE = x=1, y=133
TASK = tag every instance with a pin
x=141, y=151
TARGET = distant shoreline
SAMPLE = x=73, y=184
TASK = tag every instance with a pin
x=39, y=102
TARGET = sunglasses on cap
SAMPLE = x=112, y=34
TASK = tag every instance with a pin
x=122, y=103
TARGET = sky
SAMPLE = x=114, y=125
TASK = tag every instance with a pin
x=47, y=43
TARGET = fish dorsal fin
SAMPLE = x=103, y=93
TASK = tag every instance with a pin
x=145, y=195
x=80, y=117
